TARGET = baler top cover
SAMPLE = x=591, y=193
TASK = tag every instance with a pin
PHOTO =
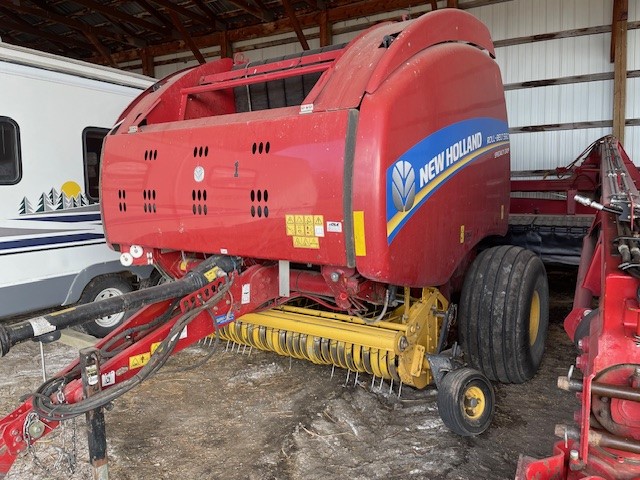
x=322, y=158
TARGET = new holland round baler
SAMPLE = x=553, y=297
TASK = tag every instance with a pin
x=327, y=206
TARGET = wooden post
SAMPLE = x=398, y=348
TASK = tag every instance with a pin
x=148, y=66
x=226, y=49
x=619, y=48
x=325, y=29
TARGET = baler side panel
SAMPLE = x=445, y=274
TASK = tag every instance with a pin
x=264, y=185
x=422, y=111
x=163, y=104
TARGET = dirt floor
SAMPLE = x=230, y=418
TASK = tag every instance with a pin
x=261, y=416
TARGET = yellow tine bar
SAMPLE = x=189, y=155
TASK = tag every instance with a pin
x=339, y=316
x=366, y=335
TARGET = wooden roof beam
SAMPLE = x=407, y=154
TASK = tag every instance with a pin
x=187, y=38
x=291, y=13
x=116, y=14
x=337, y=14
x=185, y=12
x=23, y=26
x=47, y=13
x=156, y=14
x=263, y=15
x=102, y=50
x=204, y=8
x=452, y=3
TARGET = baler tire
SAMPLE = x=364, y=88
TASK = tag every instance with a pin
x=504, y=314
x=106, y=285
x=456, y=392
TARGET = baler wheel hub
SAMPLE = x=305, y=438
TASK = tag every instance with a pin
x=534, y=318
x=474, y=402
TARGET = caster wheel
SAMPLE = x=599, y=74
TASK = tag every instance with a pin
x=466, y=402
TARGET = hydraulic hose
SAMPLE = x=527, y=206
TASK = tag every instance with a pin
x=195, y=279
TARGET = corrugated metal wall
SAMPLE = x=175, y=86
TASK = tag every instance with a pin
x=552, y=59
x=522, y=59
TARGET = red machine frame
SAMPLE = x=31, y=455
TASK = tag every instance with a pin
x=604, y=321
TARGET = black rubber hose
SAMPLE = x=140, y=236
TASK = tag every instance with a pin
x=11, y=335
x=46, y=408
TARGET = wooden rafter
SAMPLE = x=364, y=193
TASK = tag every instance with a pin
x=452, y=3
x=261, y=14
x=434, y=4
x=46, y=12
x=116, y=14
x=204, y=8
x=155, y=14
x=187, y=38
x=291, y=13
x=362, y=8
x=21, y=25
x=102, y=50
x=179, y=9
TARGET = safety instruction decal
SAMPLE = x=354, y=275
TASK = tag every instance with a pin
x=139, y=361
x=305, y=230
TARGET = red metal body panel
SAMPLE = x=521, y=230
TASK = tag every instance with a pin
x=299, y=173
x=183, y=172
x=469, y=204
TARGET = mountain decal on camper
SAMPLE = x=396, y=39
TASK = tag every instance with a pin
x=70, y=196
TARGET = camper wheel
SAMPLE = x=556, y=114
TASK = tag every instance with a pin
x=100, y=288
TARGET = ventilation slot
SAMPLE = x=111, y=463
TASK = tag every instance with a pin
x=149, y=197
x=150, y=155
x=201, y=151
x=260, y=148
x=199, y=198
x=122, y=204
x=259, y=207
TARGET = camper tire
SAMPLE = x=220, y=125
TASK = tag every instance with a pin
x=100, y=288
x=504, y=314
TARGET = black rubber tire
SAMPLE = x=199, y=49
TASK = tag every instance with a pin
x=497, y=311
x=115, y=284
x=453, y=406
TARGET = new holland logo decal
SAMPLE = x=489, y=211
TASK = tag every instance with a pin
x=404, y=186
x=422, y=169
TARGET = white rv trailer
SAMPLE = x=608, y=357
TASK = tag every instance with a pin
x=54, y=113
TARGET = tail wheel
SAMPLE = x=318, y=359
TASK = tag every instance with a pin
x=101, y=288
x=466, y=402
x=504, y=314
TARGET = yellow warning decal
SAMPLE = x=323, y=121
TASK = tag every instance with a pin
x=138, y=361
x=358, y=233
x=461, y=233
x=154, y=347
x=306, y=242
x=305, y=230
